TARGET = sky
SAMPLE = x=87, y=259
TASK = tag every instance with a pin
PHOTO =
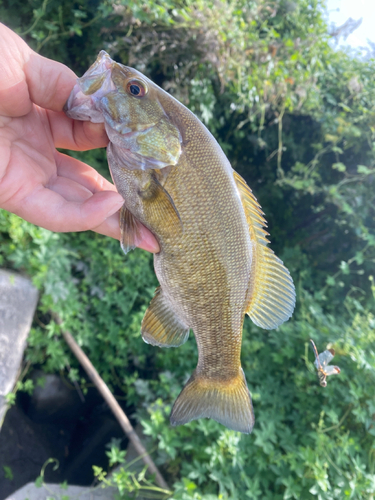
x=340, y=10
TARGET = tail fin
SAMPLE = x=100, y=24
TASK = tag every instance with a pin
x=227, y=402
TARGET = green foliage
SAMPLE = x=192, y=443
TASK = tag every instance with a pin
x=116, y=456
x=87, y=282
x=129, y=484
x=27, y=386
x=307, y=442
x=10, y=398
x=8, y=473
x=296, y=120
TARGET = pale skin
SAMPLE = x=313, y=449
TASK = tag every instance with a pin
x=38, y=183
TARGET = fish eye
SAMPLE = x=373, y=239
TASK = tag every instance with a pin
x=136, y=88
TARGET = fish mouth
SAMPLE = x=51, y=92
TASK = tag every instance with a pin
x=90, y=88
x=102, y=64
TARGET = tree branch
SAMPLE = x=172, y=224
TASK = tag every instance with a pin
x=113, y=404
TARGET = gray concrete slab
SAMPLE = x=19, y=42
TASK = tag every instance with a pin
x=18, y=300
x=55, y=492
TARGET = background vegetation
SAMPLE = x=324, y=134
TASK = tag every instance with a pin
x=297, y=120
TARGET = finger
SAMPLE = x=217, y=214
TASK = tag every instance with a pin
x=69, y=190
x=148, y=240
x=27, y=77
x=14, y=94
x=99, y=212
x=75, y=191
x=81, y=173
x=111, y=227
x=75, y=134
x=48, y=209
x=14, y=100
x=50, y=82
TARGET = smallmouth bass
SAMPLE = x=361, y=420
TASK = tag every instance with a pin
x=214, y=265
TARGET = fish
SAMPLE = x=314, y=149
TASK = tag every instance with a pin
x=321, y=364
x=214, y=264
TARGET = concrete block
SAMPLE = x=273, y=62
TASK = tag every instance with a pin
x=55, y=492
x=18, y=300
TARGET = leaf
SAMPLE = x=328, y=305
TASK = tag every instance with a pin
x=345, y=107
x=339, y=166
x=39, y=482
x=10, y=398
x=344, y=267
x=330, y=281
x=64, y=485
x=331, y=138
x=79, y=14
x=189, y=485
x=51, y=26
x=8, y=473
x=362, y=169
x=99, y=473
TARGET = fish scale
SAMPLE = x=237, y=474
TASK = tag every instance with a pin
x=214, y=265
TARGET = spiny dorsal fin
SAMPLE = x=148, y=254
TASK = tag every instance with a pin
x=272, y=294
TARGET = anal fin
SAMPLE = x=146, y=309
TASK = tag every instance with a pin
x=161, y=326
x=271, y=290
x=130, y=230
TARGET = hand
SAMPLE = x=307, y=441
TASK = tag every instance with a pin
x=41, y=185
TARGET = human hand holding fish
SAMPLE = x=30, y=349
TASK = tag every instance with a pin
x=214, y=265
x=38, y=183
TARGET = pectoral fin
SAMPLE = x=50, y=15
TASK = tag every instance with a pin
x=159, y=204
x=130, y=230
x=161, y=326
x=272, y=296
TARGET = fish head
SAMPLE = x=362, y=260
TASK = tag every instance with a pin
x=142, y=134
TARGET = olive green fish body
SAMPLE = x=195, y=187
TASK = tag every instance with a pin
x=214, y=243
x=214, y=264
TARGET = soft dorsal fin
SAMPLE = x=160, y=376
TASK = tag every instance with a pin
x=272, y=295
